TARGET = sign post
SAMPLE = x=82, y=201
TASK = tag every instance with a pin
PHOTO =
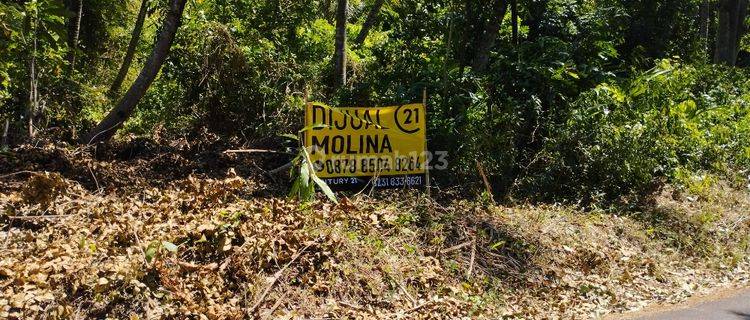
x=426, y=152
x=351, y=147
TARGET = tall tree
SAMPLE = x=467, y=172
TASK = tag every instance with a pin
x=489, y=36
x=514, y=20
x=75, y=32
x=536, y=11
x=117, y=116
x=703, y=23
x=339, y=56
x=731, y=28
x=471, y=26
x=33, y=81
x=5, y=132
x=370, y=21
x=134, y=38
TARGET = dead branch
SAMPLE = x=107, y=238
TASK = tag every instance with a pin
x=406, y=292
x=276, y=305
x=282, y=168
x=456, y=247
x=98, y=189
x=276, y=277
x=486, y=181
x=417, y=308
x=138, y=242
x=268, y=174
x=195, y=267
x=16, y=173
x=473, y=255
x=257, y=151
x=49, y=216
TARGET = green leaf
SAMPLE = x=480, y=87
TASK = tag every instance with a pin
x=613, y=91
x=304, y=174
x=314, y=126
x=202, y=239
x=151, y=252
x=290, y=136
x=294, y=191
x=321, y=184
x=497, y=245
x=171, y=247
x=326, y=190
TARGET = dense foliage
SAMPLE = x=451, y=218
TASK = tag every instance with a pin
x=583, y=100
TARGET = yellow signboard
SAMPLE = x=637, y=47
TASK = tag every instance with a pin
x=347, y=145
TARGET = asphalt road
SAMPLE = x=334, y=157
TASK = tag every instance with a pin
x=733, y=307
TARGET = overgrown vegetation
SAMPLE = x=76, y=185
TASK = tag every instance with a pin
x=614, y=135
x=576, y=100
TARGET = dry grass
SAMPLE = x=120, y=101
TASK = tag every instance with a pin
x=72, y=250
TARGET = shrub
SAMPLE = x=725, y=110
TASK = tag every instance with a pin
x=621, y=138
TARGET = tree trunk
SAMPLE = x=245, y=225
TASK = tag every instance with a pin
x=470, y=28
x=713, y=27
x=76, y=30
x=742, y=7
x=31, y=113
x=703, y=24
x=132, y=46
x=114, y=120
x=33, y=83
x=339, y=57
x=536, y=12
x=448, y=55
x=5, y=132
x=514, y=20
x=725, y=33
x=731, y=28
x=372, y=19
x=487, y=40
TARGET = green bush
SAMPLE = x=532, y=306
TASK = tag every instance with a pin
x=621, y=138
